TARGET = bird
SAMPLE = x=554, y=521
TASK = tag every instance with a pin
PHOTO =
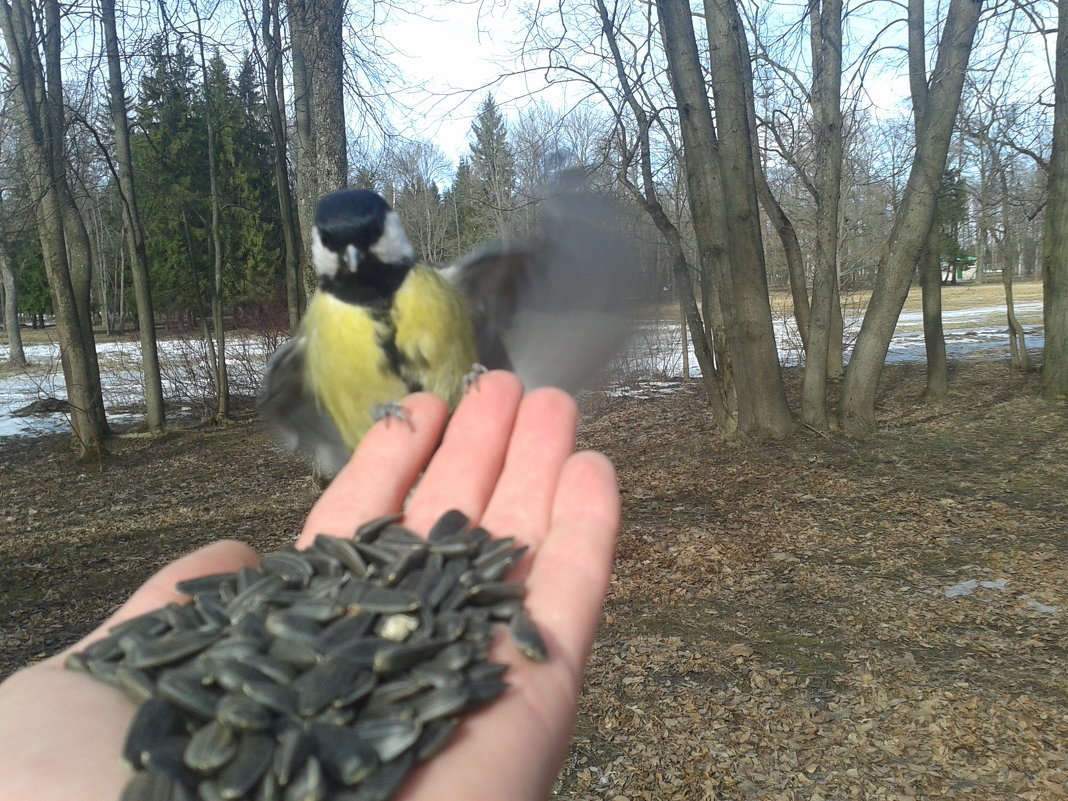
x=381, y=323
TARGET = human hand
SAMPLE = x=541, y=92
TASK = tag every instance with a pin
x=507, y=462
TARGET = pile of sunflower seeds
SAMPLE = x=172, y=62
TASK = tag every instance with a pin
x=324, y=675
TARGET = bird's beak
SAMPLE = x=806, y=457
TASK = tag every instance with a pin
x=352, y=258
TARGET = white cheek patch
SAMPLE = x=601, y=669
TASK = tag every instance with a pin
x=323, y=259
x=393, y=246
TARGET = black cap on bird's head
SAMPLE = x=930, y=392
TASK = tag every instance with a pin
x=356, y=226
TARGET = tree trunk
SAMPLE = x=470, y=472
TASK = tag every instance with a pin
x=318, y=101
x=135, y=239
x=826, y=48
x=762, y=407
x=724, y=206
x=222, y=382
x=934, y=341
x=930, y=264
x=275, y=96
x=646, y=195
x=38, y=110
x=16, y=355
x=1055, y=260
x=908, y=236
x=1009, y=258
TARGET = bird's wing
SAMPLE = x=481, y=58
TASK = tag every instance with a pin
x=555, y=308
x=292, y=411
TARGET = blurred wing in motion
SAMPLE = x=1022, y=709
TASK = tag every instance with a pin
x=298, y=420
x=557, y=307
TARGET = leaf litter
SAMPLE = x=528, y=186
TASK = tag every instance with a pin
x=777, y=626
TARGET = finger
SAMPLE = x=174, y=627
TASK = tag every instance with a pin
x=525, y=732
x=542, y=440
x=380, y=474
x=225, y=556
x=465, y=468
x=569, y=577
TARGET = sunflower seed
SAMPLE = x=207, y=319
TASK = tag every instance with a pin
x=274, y=696
x=451, y=523
x=344, y=629
x=442, y=702
x=391, y=657
x=154, y=722
x=168, y=648
x=203, y=585
x=387, y=694
x=343, y=551
x=210, y=747
x=389, y=738
x=397, y=536
x=381, y=784
x=137, y=684
x=146, y=786
x=147, y=625
x=241, y=712
x=288, y=625
x=491, y=592
x=371, y=529
x=253, y=757
x=289, y=566
x=343, y=753
x=187, y=693
x=388, y=600
x=435, y=736
x=494, y=569
x=107, y=648
x=527, y=638
x=321, y=684
x=308, y=783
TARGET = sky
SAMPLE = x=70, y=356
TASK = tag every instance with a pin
x=454, y=54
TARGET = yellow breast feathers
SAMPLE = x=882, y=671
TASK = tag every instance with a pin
x=358, y=357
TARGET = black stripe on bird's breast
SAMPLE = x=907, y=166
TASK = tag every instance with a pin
x=387, y=341
x=374, y=284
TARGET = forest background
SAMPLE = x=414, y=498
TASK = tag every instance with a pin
x=162, y=164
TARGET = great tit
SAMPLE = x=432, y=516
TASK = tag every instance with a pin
x=551, y=307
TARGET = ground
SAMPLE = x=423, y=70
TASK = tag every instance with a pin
x=778, y=625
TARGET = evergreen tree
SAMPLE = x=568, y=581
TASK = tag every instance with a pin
x=464, y=228
x=492, y=169
x=169, y=158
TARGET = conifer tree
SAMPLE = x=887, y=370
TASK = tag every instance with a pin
x=492, y=169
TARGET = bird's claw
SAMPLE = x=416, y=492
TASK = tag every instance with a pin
x=471, y=378
x=384, y=411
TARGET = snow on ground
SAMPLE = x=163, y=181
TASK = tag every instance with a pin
x=655, y=354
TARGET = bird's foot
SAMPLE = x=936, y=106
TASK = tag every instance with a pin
x=384, y=411
x=471, y=379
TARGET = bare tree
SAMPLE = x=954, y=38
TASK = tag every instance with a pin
x=637, y=155
x=318, y=102
x=39, y=111
x=131, y=215
x=16, y=355
x=724, y=204
x=930, y=262
x=270, y=32
x=825, y=22
x=1055, y=273
x=908, y=238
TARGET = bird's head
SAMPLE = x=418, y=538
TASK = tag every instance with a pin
x=355, y=229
